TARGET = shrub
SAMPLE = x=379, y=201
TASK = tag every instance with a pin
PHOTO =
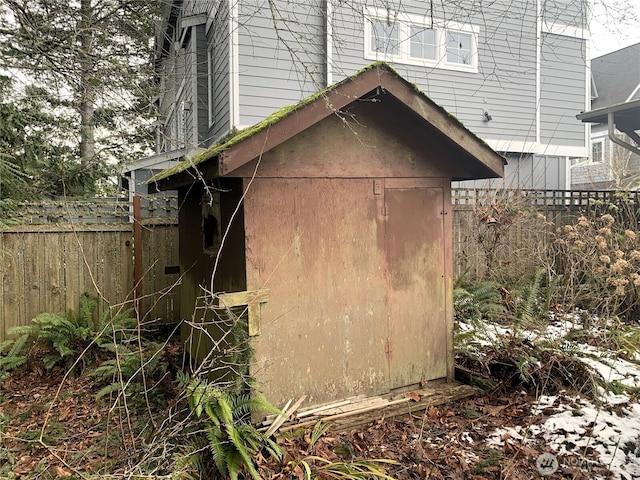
x=598, y=257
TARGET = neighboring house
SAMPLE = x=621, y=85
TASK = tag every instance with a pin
x=615, y=123
x=513, y=72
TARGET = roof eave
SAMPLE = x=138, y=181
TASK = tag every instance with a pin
x=599, y=115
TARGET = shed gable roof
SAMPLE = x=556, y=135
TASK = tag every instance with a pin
x=223, y=158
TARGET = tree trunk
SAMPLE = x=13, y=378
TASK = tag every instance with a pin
x=86, y=87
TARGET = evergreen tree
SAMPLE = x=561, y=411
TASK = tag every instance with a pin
x=86, y=66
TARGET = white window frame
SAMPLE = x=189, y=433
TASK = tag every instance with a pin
x=404, y=23
x=598, y=141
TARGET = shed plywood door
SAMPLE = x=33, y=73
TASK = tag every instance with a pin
x=417, y=343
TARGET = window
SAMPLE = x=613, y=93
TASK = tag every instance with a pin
x=459, y=48
x=423, y=42
x=384, y=37
x=597, y=151
x=415, y=40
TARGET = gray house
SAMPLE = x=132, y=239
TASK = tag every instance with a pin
x=512, y=72
x=614, y=117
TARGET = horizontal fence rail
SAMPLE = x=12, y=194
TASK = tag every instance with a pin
x=572, y=199
x=53, y=251
x=99, y=211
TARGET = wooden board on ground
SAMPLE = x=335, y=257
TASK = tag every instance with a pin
x=360, y=410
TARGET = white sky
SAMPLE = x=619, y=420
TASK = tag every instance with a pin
x=614, y=26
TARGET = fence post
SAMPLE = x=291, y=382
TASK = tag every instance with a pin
x=137, y=257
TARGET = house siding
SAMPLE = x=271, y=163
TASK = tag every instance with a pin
x=527, y=172
x=201, y=104
x=562, y=90
x=218, y=40
x=531, y=82
x=280, y=61
x=570, y=13
x=505, y=84
x=188, y=97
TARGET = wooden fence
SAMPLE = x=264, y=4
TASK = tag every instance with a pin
x=511, y=229
x=53, y=252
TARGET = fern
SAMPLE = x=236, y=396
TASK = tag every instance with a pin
x=233, y=440
x=15, y=356
x=188, y=462
x=477, y=302
x=88, y=305
x=108, y=390
x=530, y=304
x=127, y=367
x=69, y=332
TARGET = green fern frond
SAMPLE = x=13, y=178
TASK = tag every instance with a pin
x=109, y=389
x=17, y=345
x=241, y=449
x=29, y=330
x=527, y=303
x=15, y=357
x=187, y=461
x=49, y=361
x=88, y=305
x=222, y=407
x=273, y=449
x=234, y=464
x=478, y=302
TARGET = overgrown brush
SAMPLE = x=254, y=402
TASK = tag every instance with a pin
x=598, y=257
x=506, y=238
x=505, y=350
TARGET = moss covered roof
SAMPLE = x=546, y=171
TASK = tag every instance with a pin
x=237, y=137
x=275, y=117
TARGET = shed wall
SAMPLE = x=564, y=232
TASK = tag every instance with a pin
x=355, y=306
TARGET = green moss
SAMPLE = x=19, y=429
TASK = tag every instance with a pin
x=236, y=137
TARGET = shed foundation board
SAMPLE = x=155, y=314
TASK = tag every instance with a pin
x=361, y=410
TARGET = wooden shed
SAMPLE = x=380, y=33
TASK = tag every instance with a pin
x=336, y=215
